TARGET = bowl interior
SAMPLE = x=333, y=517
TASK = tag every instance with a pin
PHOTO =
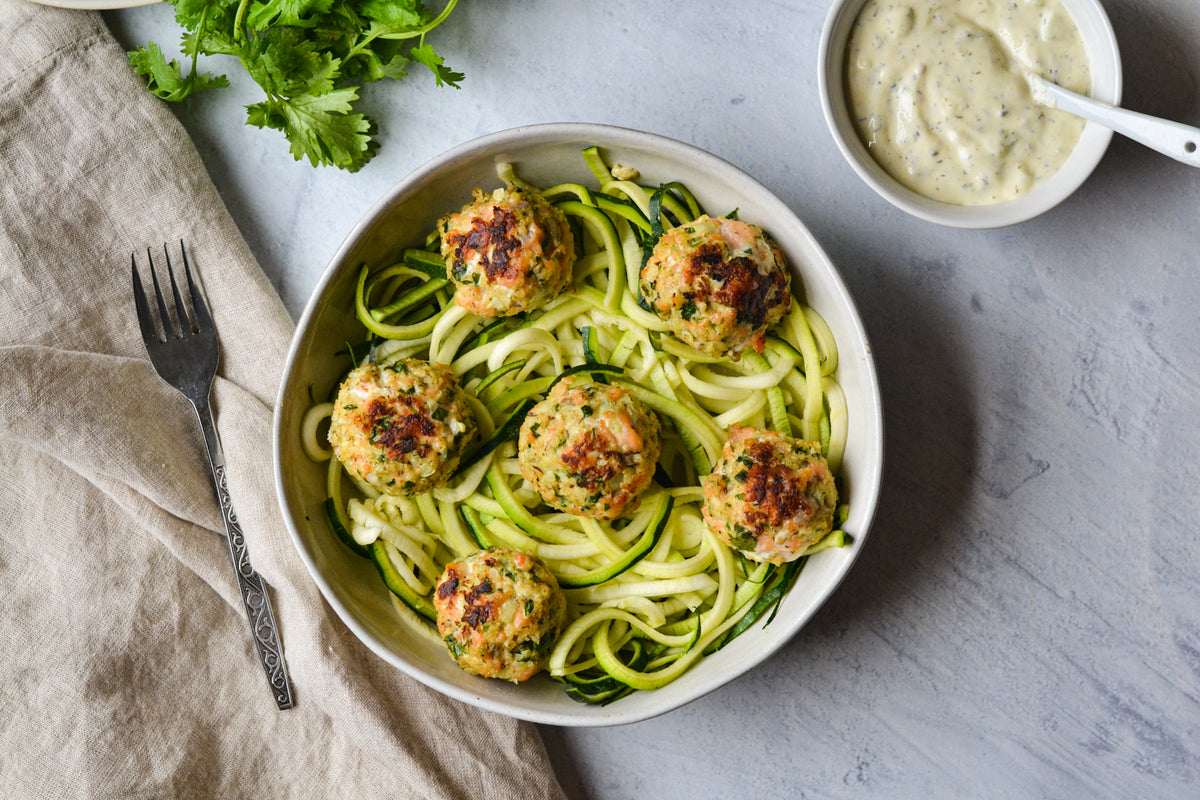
x=1105, y=64
x=545, y=155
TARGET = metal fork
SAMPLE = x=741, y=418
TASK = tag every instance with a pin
x=184, y=352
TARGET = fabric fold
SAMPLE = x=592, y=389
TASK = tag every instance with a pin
x=125, y=656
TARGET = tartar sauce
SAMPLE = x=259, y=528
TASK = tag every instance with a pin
x=938, y=95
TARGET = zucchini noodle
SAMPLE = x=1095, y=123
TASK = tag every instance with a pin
x=649, y=594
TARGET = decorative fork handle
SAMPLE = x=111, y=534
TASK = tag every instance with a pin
x=250, y=585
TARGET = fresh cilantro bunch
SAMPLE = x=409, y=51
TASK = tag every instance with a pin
x=310, y=57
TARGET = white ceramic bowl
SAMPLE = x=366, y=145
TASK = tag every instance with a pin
x=1105, y=63
x=545, y=155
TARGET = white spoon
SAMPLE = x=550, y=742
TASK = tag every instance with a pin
x=1180, y=142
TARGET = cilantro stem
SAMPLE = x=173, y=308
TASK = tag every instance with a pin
x=423, y=29
x=300, y=63
x=240, y=19
x=196, y=40
x=408, y=33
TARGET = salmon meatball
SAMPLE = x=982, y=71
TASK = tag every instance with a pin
x=589, y=448
x=769, y=496
x=718, y=283
x=499, y=611
x=507, y=252
x=401, y=427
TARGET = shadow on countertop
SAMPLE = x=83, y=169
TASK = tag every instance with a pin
x=1161, y=70
x=930, y=449
x=1161, y=77
x=932, y=460
x=930, y=456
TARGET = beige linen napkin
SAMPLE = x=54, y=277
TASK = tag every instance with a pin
x=126, y=668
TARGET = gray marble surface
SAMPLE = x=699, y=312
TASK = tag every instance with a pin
x=1025, y=618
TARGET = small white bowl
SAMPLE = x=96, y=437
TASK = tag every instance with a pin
x=546, y=155
x=1105, y=64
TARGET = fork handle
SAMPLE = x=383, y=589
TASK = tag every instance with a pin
x=250, y=584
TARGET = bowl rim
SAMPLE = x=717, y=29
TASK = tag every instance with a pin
x=1103, y=51
x=868, y=483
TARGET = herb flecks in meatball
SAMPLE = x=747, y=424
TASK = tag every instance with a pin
x=402, y=427
x=499, y=611
x=769, y=496
x=589, y=449
x=507, y=252
x=718, y=283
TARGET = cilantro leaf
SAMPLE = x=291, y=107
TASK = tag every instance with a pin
x=301, y=13
x=289, y=66
x=425, y=55
x=192, y=14
x=310, y=57
x=320, y=127
x=369, y=66
x=166, y=79
x=399, y=16
x=397, y=68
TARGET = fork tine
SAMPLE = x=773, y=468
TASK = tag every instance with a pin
x=188, y=363
x=168, y=322
x=185, y=325
x=199, y=306
x=145, y=315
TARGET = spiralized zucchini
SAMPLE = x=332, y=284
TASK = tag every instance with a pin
x=650, y=594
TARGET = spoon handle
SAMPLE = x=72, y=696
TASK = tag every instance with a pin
x=1180, y=142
